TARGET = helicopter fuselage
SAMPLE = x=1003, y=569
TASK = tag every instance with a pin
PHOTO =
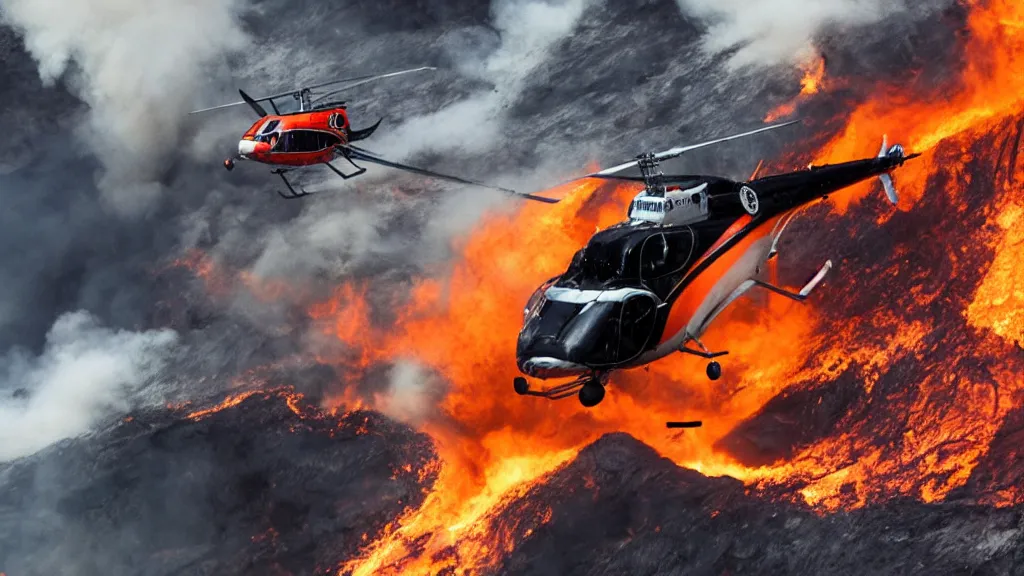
x=299, y=139
x=642, y=289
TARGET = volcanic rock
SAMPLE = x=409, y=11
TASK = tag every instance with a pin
x=255, y=488
x=620, y=508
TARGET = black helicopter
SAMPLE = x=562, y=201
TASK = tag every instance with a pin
x=651, y=285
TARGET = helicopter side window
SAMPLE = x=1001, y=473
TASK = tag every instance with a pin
x=327, y=140
x=284, y=143
x=637, y=320
x=664, y=259
x=665, y=254
x=537, y=299
x=303, y=141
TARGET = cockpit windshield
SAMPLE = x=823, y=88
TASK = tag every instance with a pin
x=268, y=132
x=537, y=299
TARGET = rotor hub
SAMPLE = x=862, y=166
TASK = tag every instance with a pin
x=654, y=179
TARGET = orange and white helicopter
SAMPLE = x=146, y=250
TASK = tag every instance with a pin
x=313, y=129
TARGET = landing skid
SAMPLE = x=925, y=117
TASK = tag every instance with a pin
x=714, y=369
x=590, y=389
x=292, y=194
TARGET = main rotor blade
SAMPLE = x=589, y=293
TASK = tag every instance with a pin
x=359, y=81
x=364, y=155
x=679, y=151
x=363, y=80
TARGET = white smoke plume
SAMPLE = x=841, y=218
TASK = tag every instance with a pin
x=412, y=394
x=769, y=32
x=529, y=29
x=335, y=233
x=85, y=372
x=138, y=64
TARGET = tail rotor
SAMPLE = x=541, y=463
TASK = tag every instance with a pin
x=898, y=155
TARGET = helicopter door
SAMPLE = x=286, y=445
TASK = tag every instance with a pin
x=636, y=325
x=664, y=258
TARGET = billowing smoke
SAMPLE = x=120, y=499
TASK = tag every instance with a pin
x=338, y=233
x=412, y=394
x=528, y=29
x=138, y=64
x=86, y=372
x=769, y=32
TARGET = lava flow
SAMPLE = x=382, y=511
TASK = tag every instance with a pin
x=895, y=382
x=494, y=444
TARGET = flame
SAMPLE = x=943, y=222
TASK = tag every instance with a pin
x=229, y=402
x=493, y=445
x=812, y=82
x=989, y=89
x=814, y=76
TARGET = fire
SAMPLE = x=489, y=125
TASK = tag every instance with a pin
x=989, y=89
x=814, y=75
x=229, y=402
x=464, y=329
x=811, y=83
x=494, y=445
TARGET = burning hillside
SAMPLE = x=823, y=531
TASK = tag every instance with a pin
x=874, y=429
x=895, y=383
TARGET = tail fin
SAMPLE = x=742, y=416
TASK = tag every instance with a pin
x=357, y=135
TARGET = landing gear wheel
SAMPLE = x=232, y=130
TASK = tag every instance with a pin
x=714, y=370
x=591, y=394
x=521, y=385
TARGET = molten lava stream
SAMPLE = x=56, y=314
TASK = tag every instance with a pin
x=495, y=445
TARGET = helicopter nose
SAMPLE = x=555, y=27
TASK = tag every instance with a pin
x=246, y=147
x=545, y=368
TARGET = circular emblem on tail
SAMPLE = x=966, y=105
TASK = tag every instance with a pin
x=749, y=199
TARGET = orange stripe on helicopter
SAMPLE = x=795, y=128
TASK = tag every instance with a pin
x=692, y=297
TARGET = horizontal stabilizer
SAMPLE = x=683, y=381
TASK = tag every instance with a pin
x=805, y=291
x=810, y=286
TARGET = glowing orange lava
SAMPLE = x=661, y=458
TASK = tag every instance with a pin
x=493, y=444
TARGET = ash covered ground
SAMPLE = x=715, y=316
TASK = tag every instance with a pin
x=142, y=285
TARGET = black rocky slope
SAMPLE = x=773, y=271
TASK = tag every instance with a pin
x=252, y=489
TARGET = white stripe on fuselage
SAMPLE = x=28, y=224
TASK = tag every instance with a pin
x=573, y=296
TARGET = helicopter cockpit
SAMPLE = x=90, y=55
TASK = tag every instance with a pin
x=603, y=310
